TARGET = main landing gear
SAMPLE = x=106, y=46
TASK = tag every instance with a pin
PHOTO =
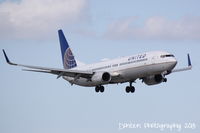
x=165, y=80
x=99, y=88
x=130, y=88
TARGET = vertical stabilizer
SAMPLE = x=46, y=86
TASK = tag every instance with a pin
x=67, y=55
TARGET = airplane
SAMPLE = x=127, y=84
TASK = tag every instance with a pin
x=150, y=67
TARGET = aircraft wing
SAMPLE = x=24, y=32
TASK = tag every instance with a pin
x=59, y=72
x=189, y=67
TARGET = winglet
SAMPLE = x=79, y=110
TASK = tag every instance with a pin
x=189, y=67
x=189, y=61
x=7, y=60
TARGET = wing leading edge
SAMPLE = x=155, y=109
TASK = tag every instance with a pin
x=59, y=72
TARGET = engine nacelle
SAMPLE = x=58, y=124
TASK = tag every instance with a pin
x=101, y=77
x=153, y=79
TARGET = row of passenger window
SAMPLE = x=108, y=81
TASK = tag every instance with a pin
x=115, y=65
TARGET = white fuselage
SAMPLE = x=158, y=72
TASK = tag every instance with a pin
x=128, y=68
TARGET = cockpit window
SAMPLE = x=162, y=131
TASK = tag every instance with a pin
x=167, y=55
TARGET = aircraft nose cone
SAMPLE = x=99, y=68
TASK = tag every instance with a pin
x=174, y=62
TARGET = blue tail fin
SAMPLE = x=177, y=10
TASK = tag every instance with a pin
x=67, y=55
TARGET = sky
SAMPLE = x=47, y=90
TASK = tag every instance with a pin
x=40, y=103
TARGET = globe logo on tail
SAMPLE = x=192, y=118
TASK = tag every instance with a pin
x=69, y=61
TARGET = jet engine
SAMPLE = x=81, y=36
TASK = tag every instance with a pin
x=101, y=77
x=154, y=79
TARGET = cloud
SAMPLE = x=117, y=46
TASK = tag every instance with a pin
x=34, y=18
x=158, y=28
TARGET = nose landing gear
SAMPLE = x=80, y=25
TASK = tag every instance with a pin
x=165, y=80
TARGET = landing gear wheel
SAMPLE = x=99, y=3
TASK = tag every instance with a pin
x=97, y=89
x=128, y=89
x=101, y=89
x=132, y=89
x=165, y=80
